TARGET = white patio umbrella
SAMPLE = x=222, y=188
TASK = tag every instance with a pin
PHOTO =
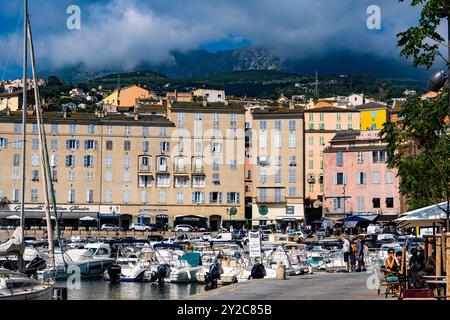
x=424, y=217
x=14, y=217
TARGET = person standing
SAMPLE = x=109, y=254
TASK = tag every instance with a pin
x=360, y=254
x=346, y=249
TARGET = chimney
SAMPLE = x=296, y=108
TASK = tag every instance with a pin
x=205, y=103
x=136, y=116
x=8, y=111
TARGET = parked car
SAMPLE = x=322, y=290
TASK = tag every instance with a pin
x=142, y=227
x=110, y=227
x=183, y=228
x=322, y=233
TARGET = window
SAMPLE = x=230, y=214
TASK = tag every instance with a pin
x=34, y=195
x=198, y=198
x=54, y=160
x=262, y=141
x=338, y=117
x=181, y=182
x=389, y=202
x=233, y=120
x=292, y=125
x=277, y=161
x=360, y=204
x=126, y=176
x=16, y=174
x=216, y=147
x=278, y=125
x=389, y=177
x=181, y=119
x=277, y=141
x=88, y=161
x=233, y=164
x=127, y=130
x=16, y=160
x=198, y=182
x=71, y=176
x=198, y=116
x=144, y=196
x=71, y=196
x=338, y=203
x=70, y=161
x=233, y=197
x=127, y=145
x=109, y=145
x=292, y=161
x=376, y=203
x=339, y=159
x=54, y=144
x=374, y=115
x=360, y=157
x=338, y=126
x=310, y=187
x=162, y=181
x=321, y=126
x=108, y=196
x=180, y=197
x=361, y=178
x=292, y=191
x=292, y=175
x=145, y=146
x=311, y=117
x=311, y=164
x=165, y=147
x=89, y=196
x=262, y=176
x=34, y=175
x=15, y=195
x=145, y=130
x=376, y=178
x=292, y=141
x=17, y=127
x=108, y=176
x=109, y=129
x=34, y=143
x=17, y=144
x=216, y=164
x=311, y=126
x=91, y=129
x=321, y=117
x=262, y=125
x=216, y=179
x=126, y=196
x=54, y=129
x=126, y=162
x=215, y=197
x=339, y=179
x=322, y=140
x=72, y=144
x=162, y=164
x=379, y=156
x=311, y=140
x=163, y=131
x=198, y=148
x=90, y=176
x=90, y=145
x=73, y=128
x=108, y=162
x=34, y=128
x=262, y=195
x=278, y=176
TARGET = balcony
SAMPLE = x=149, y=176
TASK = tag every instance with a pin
x=271, y=200
x=180, y=169
x=144, y=169
x=311, y=179
x=198, y=170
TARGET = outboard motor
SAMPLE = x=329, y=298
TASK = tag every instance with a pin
x=163, y=271
x=114, y=273
x=258, y=271
x=35, y=265
x=213, y=275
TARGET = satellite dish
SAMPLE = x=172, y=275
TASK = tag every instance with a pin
x=437, y=81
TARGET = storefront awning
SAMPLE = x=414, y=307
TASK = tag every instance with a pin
x=109, y=216
x=290, y=218
x=350, y=224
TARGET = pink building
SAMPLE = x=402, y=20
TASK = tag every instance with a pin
x=357, y=179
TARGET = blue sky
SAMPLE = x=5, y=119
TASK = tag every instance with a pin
x=124, y=33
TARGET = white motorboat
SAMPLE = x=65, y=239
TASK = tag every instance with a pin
x=17, y=286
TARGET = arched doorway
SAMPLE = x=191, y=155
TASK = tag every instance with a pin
x=215, y=222
x=125, y=221
x=162, y=222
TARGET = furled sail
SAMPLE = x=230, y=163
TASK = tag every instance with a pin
x=14, y=245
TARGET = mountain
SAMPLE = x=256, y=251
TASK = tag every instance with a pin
x=201, y=63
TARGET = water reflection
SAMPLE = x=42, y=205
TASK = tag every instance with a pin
x=104, y=290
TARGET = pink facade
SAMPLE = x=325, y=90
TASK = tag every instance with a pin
x=356, y=162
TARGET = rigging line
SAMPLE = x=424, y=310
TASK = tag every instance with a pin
x=9, y=49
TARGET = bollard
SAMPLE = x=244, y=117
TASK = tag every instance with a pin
x=59, y=293
x=281, y=271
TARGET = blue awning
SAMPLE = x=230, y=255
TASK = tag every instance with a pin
x=144, y=216
x=354, y=218
x=109, y=216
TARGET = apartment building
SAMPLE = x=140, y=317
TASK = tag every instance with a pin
x=321, y=125
x=210, y=95
x=277, y=159
x=357, y=179
x=374, y=115
x=124, y=99
x=118, y=168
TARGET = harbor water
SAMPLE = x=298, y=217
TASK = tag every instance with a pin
x=104, y=290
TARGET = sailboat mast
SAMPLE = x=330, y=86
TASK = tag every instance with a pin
x=45, y=166
x=24, y=127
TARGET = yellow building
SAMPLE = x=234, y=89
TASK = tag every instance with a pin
x=373, y=116
x=13, y=101
x=124, y=99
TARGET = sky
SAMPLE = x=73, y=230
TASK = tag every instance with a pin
x=125, y=33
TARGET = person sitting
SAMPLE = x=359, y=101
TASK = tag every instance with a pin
x=391, y=263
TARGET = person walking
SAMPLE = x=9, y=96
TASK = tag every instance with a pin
x=346, y=249
x=353, y=257
x=360, y=255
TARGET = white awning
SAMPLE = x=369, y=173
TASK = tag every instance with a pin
x=14, y=217
x=424, y=217
x=87, y=218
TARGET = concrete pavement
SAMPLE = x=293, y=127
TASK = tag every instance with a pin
x=318, y=286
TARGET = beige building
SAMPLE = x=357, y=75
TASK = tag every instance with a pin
x=277, y=158
x=13, y=100
x=321, y=125
x=168, y=170
x=124, y=99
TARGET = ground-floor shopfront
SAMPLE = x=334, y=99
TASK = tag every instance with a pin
x=278, y=216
